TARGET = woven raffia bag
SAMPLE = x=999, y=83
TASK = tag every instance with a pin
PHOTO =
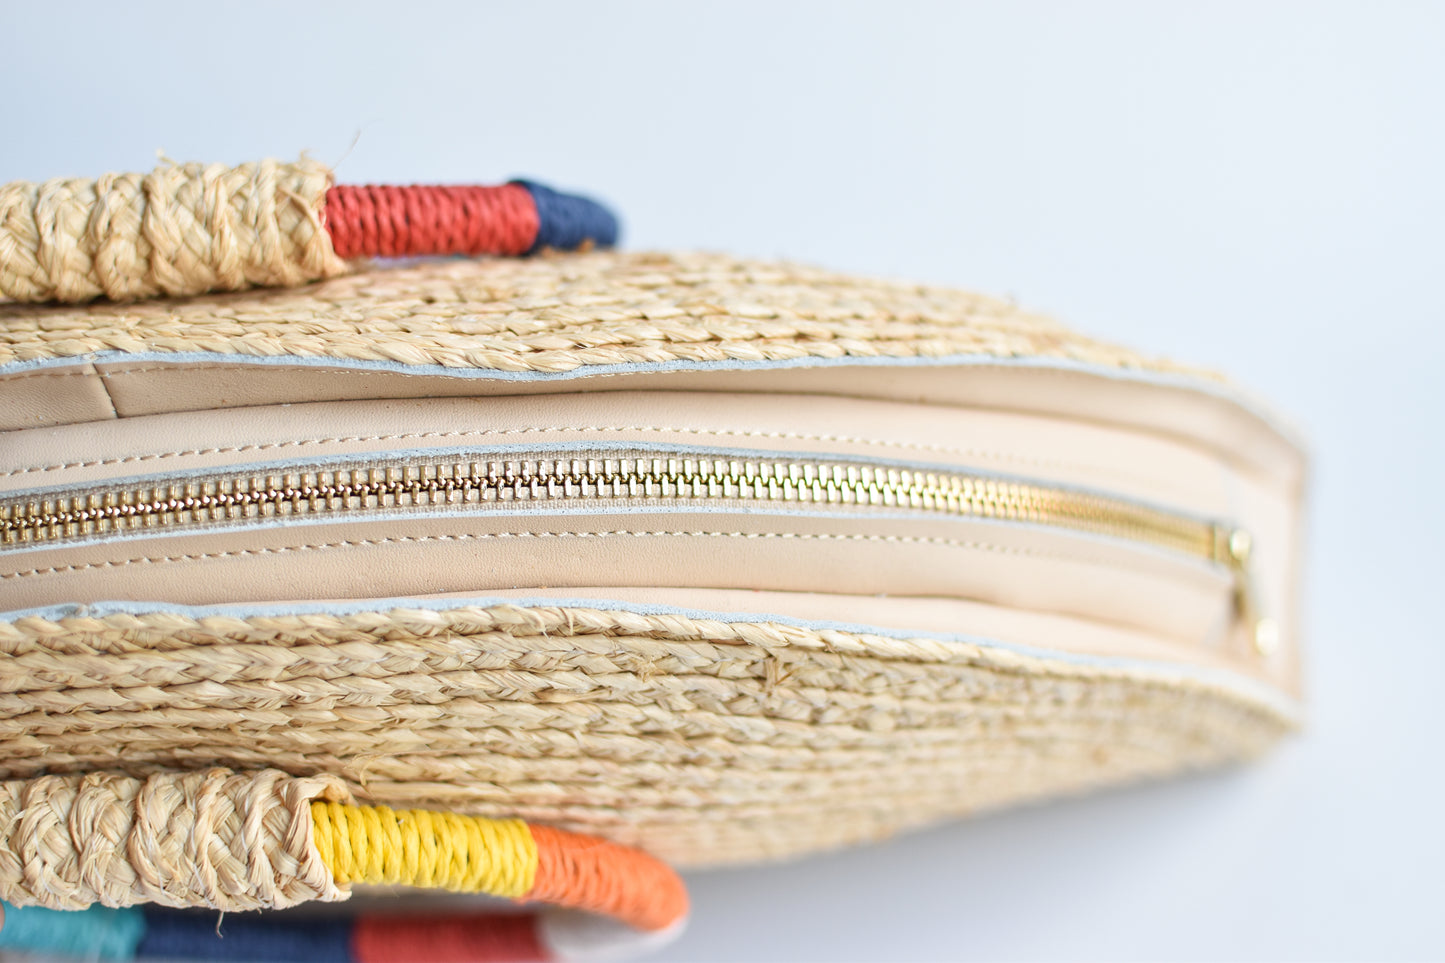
x=533, y=571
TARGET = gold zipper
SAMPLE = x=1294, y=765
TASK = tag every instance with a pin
x=631, y=477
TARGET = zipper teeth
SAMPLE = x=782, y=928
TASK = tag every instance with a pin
x=60, y=516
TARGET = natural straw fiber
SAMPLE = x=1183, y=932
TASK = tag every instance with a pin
x=559, y=313
x=244, y=840
x=264, y=753
x=180, y=230
x=702, y=741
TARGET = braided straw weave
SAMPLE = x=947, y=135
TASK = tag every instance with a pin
x=180, y=230
x=559, y=313
x=245, y=840
x=702, y=741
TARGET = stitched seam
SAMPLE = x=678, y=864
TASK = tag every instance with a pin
x=407, y=539
x=88, y=372
x=105, y=386
x=480, y=433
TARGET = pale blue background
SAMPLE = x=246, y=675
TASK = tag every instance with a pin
x=1258, y=186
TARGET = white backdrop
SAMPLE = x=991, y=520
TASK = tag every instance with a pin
x=1257, y=186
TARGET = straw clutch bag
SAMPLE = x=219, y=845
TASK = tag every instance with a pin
x=529, y=575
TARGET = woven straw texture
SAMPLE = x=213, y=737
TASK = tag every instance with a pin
x=180, y=230
x=558, y=313
x=245, y=840
x=701, y=741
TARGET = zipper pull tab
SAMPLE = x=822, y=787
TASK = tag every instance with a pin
x=1233, y=547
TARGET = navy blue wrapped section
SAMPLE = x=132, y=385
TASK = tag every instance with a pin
x=567, y=221
x=180, y=935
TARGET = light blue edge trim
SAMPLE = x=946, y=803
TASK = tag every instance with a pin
x=1251, y=688
x=1230, y=394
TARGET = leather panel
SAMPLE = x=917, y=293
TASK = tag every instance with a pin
x=1185, y=412
x=1121, y=462
x=45, y=397
x=1012, y=565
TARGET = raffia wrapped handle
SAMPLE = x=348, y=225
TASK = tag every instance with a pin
x=216, y=838
x=243, y=841
x=186, y=229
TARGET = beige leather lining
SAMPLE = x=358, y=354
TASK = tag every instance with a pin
x=1006, y=564
x=1129, y=464
x=1186, y=413
x=53, y=396
x=1188, y=450
x=1182, y=600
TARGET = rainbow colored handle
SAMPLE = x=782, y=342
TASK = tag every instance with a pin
x=188, y=229
x=136, y=933
x=418, y=848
